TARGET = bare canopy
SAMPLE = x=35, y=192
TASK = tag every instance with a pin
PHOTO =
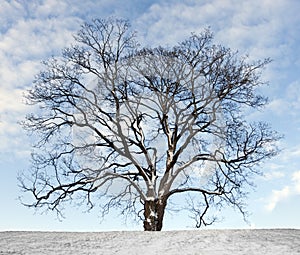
x=130, y=128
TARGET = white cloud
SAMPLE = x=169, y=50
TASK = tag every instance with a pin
x=293, y=96
x=28, y=39
x=12, y=110
x=170, y=22
x=296, y=179
x=288, y=102
x=291, y=154
x=253, y=26
x=51, y=7
x=274, y=175
x=293, y=189
x=11, y=100
x=10, y=11
x=35, y=38
x=29, y=34
x=278, y=106
x=277, y=196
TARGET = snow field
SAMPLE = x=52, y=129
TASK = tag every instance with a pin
x=193, y=242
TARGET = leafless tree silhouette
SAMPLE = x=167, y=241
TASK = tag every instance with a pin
x=129, y=127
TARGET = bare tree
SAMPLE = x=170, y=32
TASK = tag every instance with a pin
x=130, y=127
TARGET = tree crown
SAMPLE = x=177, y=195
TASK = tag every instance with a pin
x=126, y=126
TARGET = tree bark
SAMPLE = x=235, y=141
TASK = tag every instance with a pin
x=154, y=213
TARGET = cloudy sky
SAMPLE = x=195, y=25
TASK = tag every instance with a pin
x=34, y=30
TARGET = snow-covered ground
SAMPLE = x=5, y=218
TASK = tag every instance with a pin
x=275, y=241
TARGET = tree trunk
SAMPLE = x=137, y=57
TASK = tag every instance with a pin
x=154, y=214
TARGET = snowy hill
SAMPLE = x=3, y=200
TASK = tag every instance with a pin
x=274, y=241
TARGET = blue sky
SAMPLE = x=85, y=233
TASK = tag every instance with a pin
x=33, y=30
